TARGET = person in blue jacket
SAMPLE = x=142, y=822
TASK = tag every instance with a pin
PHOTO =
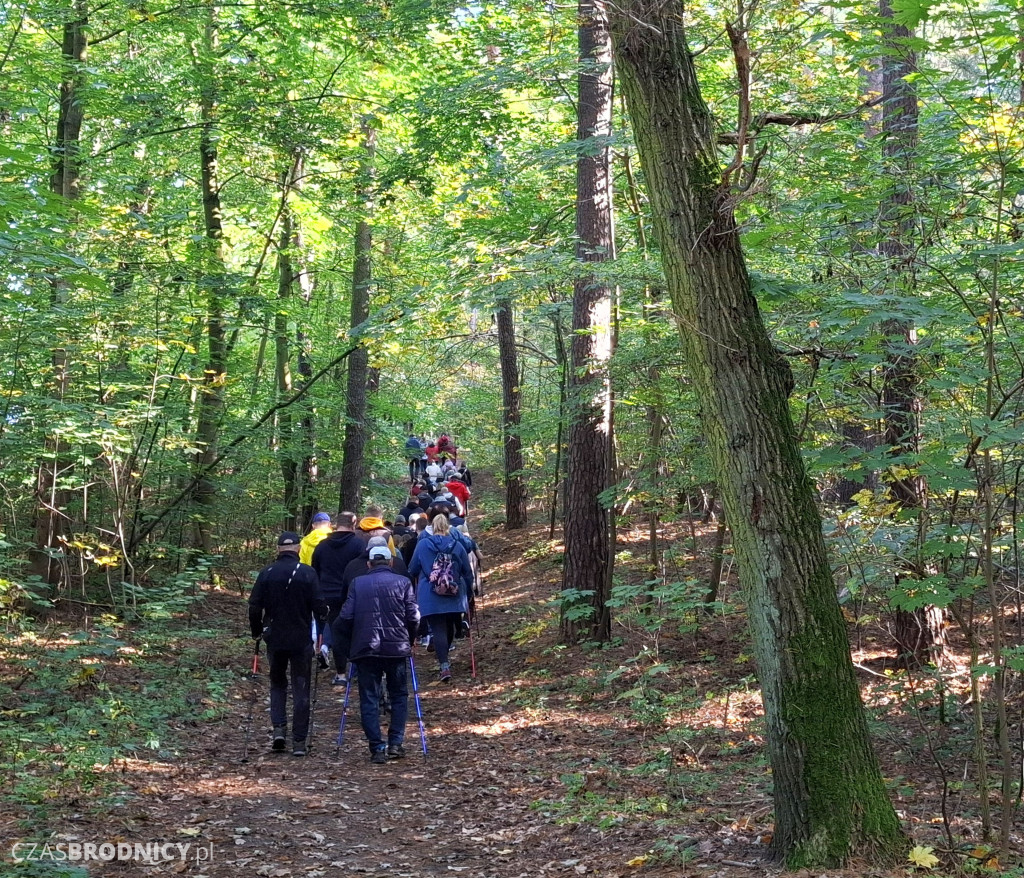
x=441, y=612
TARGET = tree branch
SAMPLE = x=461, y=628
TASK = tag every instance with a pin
x=793, y=120
x=234, y=443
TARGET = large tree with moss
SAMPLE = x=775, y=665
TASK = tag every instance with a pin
x=830, y=800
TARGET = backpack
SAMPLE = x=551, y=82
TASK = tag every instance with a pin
x=442, y=575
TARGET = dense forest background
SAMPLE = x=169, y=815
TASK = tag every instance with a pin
x=246, y=246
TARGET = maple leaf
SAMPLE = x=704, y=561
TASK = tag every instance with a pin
x=923, y=857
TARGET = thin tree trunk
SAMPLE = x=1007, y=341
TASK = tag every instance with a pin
x=515, y=488
x=353, y=463
x=586, y=519
x=830, y=799
x=919, y=634
x=286, y=441
x=51, y=523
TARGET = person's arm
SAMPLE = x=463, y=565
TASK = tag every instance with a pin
x=416, y=564
x=256, y=608
x=412, y=611
x=320, y=607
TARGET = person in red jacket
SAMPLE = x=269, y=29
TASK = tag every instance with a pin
x=460, y=491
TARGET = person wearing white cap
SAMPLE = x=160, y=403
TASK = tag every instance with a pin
x=380, y=618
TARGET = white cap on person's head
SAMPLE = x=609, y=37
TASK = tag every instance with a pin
x=380, y=553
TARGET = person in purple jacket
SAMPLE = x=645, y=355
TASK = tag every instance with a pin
x=380, y=618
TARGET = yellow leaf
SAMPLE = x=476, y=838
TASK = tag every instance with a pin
x=637, y=861
x=923, y=857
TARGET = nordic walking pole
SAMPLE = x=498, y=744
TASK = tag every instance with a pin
x=315, y=669
x=419, y=710
x=252, y=700
x=344, y=709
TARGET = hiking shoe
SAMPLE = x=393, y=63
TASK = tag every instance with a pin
x=423, y=641
x=445, y=675
x=299, y=748
x=396, y=751
x=339, y=680
x=280, y=733
x=379, y=757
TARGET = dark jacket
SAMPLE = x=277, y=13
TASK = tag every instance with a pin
x=380, y=614
x=409, y=510
x=408, y=548
x=360, y=567
x=284, y=601
x=331, y=557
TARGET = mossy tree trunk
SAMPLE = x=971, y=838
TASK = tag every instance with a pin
x=830, y=800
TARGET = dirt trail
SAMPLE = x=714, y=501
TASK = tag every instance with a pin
x=469, y=809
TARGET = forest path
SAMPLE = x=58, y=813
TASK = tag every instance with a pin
x=469, y=809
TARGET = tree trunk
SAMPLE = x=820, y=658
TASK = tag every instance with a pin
x=920, y=634
x=515, y=489
x=586, y=518
x=353, y=464
x=51, y=523
x=830, y=800
x=297, y=451
x=287, y=446
x=213, y=282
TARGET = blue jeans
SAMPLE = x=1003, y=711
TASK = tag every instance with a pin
x=372, y=673
x=442, y=630
x=300, y=661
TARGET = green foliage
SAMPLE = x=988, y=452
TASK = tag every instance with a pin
x=75, y=702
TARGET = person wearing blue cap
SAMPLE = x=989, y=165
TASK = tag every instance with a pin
x=284, y=603
x=321, y=530
x=380, y=618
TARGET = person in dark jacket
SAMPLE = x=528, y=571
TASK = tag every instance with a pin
x=412, y=506
x=358, y=566
x=380, y=617
x=330, y=558
x=443, y=613
x=285, y=601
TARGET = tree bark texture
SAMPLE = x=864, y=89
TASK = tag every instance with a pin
x=353, y=464
x=286, y=439
x=830, y=800
x=586, y=519
x=51, y=523
x=515, y=488
x=212, y=282
x=920, y=635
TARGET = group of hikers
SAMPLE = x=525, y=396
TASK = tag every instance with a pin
x=365, y=590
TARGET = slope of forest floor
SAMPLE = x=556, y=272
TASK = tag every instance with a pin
x=643, y=757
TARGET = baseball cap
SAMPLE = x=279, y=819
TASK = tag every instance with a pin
x=380, y=553
x=288, y=540
x=321, y=518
